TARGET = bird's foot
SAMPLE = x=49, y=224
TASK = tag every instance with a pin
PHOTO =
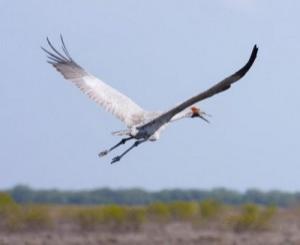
x=103, y=153
x=115, y=159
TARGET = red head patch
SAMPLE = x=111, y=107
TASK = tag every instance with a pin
x=195, y=110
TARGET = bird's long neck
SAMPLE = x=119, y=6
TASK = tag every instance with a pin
x=184, y=114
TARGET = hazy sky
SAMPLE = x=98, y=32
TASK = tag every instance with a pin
x=159, y=53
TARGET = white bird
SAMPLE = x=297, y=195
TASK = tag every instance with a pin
x=141, y=125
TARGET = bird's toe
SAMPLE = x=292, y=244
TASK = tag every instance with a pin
x=115, y=159
x=103, y=153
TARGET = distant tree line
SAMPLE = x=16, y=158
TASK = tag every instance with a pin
x=25, y=194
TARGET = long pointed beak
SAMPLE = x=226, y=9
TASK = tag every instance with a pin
x=206, y=114
x=203, y=118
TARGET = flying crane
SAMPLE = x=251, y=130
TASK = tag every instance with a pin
x=142, y=125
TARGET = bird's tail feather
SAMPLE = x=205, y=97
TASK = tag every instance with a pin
x=121, y=132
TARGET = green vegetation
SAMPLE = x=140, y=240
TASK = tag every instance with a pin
x=114, y=215
x=36, y=217
x=253, y=217
x=15, y=217
x=10, y=213
x=210, y=209
x=159, y=212
x=184, y=211
x=23, y=194
x=106, y=217
x=88, y=218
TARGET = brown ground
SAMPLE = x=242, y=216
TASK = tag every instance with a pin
x=283, y=229
x=285, y=233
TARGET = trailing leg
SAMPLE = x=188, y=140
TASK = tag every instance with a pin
x=135, y=144
x=123, y=141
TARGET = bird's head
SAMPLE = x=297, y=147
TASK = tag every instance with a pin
x=197, y=113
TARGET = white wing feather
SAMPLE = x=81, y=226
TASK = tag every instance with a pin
x=109, y=98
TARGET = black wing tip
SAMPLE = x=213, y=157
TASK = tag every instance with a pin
x=61, y=38
x=55, y=55
x=254, y=52
x=250, y=62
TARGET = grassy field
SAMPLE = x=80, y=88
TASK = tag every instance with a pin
x=206, y=222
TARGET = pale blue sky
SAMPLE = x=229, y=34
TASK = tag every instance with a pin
x=159, y=53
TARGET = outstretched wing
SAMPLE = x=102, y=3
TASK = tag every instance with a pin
x=219, y=87
x=109, y=98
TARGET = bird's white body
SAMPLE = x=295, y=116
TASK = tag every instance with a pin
x=121, y=106
x=141, y=125
x=147, y=116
